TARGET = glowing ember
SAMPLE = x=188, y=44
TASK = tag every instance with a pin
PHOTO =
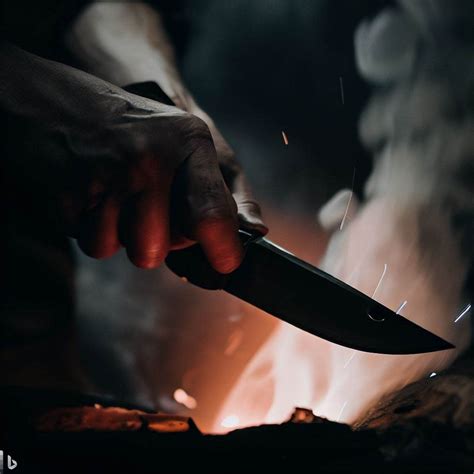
x=98, y=418
x=302, y=415
x=465, y=311
x=183, y=398
x=401, y=307
x=285, y=138
x=231, y=421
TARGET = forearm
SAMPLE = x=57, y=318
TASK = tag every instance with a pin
x=34, y=87
x=125, y=42
x=17, y=68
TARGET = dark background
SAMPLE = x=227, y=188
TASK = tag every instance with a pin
x=260, y=67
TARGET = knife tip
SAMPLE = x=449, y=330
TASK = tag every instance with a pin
x=441, y=345
x=448, y=345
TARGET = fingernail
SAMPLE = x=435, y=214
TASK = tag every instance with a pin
x=253, y=222
x=146, y=261
x=228, y=264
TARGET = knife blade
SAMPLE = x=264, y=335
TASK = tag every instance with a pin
x=304, y=296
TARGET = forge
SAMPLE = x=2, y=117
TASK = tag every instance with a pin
x=425, y=427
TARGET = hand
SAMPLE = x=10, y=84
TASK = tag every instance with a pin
x=113, y=164
x=126, y=43
x=249, y=212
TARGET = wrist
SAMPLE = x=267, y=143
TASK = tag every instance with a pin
x=126, y=43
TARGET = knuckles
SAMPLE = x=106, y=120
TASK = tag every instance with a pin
x=143, y=142
x=169, y=137
x=210, y=220
x=192, y=133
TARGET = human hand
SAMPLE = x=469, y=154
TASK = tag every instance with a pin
x=122, y=170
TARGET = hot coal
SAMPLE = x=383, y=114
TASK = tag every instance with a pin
x=426, y=427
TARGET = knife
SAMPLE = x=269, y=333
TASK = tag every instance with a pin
x=304, y=296
x=294, y=291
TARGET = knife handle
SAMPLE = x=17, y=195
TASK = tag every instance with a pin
x=192, y=265
x=149, y=90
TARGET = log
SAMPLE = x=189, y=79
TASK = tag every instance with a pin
x=429, y=423
x=427, y=426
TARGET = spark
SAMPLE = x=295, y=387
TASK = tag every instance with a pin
x=348, y=201
x=183, y=398
x=233, y=318
x=342, y=409
x=342, y=89
x=433, y=374
x=401, y=307
x=285, y=138
x=230, y=421
x=354, y=275
x=350, y=359
x=97, y=406
x=380, y=281
x=466, y=310
x=234, y=341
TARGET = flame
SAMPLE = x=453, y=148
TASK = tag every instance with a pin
x=230, y=421
x=295, y=369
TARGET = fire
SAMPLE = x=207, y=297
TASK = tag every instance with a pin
x=231, y=421
x=295, y=369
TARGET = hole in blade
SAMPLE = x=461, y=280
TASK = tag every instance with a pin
x=375, y=315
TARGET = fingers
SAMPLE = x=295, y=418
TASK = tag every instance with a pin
x=249, y=212
x=97, y=234
x=144, y=225
x=213, y=212
x=140, y=224
x=141, y=221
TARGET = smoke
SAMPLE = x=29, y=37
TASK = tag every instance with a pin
x=419, y=123
x=418, y=213
x=410, y=240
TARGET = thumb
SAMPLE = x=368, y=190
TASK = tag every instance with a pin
x=248, y=210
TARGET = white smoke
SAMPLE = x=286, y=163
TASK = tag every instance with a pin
x=411, y=237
